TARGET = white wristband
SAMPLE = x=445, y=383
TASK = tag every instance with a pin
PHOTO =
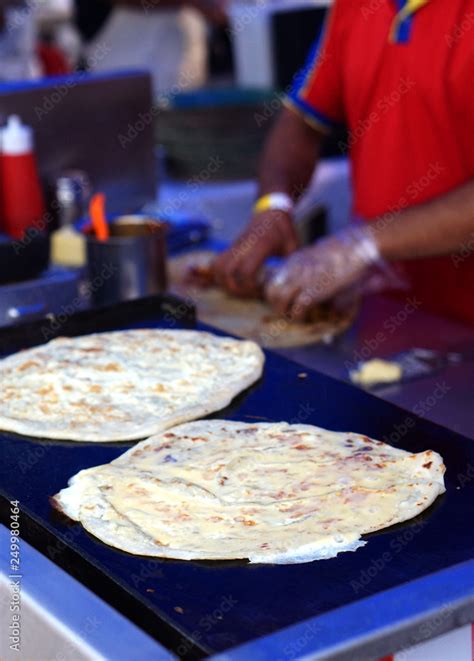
x=274, y=202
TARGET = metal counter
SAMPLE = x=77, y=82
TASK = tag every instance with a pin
x=386, y=326
x=61, y=620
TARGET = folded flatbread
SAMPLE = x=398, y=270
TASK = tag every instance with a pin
x=273, y=493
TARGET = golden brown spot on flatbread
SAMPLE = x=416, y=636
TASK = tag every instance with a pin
x=93, y=408
x=95, y=388
x=139, y=491
x=112, y=367
x=165, y=446
x=109, y=367
x=245, y=522
x=45, y=390
x=159, y=387
x=27, y=365
x=428, y=464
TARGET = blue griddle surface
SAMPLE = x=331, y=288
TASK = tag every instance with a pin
x=219, y=605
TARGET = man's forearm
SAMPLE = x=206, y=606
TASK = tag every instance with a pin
x=290, y=156
x=438, y=227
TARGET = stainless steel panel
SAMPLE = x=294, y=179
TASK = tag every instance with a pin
x=103, y=125
x=57, y=292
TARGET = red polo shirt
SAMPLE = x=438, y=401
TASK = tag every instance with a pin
x=404, y=86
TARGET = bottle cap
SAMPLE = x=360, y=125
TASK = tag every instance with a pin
x=16, y=138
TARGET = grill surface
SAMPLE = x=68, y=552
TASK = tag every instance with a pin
x=199, y=607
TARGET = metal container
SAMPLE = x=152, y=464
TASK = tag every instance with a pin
x=73, y=192
x=131, y=264
x=56, y=292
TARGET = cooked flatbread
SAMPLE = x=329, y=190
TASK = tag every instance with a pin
x=124, y=385
x=191, y=278
x=274, y=493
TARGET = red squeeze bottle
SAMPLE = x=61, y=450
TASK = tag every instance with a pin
x=22, y=198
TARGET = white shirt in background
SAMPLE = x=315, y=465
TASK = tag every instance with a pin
x=171, y=44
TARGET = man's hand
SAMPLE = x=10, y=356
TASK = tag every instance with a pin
x=270, y=233
x=322, y=271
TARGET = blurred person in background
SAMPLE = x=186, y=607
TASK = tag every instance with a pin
x=166, y=37
x=18, y=42
x=399, y=75
x=29, y=43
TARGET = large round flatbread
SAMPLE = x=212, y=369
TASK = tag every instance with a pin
x=276, y=493
x=251, y=318
x=123, y=385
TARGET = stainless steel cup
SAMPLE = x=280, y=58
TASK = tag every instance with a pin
x=131, y=264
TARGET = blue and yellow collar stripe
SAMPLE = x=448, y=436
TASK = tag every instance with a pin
x=401, y=26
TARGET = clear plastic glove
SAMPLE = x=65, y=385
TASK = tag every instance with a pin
x=322, y=271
